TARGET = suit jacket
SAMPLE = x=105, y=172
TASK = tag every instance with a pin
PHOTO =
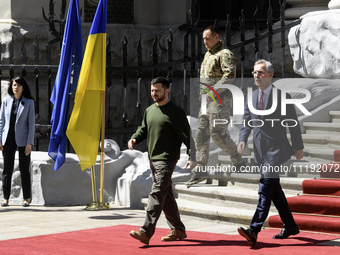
x=270, y=137
x=24, y=124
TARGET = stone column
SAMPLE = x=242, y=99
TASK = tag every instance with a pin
x=297, y=8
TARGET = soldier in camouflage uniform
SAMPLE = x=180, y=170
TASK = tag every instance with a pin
x=218, y=67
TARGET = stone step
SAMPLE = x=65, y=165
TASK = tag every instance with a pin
x=324, y=153
x=234, y=203
x=216, y=212
x=222, y=213
x=317, y=139
x=320, y=139
x=238, y=191
x=305, y=168
x=335, y=116
x=213, y=194
x=315, y=153
x=289, y=184
x=322, y=127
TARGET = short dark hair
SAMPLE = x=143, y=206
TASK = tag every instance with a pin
x=164, y=81
x=22, y=81
x=214, y=30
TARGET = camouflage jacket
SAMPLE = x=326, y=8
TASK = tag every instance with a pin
x=218, y=66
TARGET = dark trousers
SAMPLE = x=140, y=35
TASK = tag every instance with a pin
x=24, y=165
x=270, y=190
x=161, y=198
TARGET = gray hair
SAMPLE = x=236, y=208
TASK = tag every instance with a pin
x=269, y=66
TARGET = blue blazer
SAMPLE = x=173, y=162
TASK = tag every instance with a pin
x=24, y=124
x=270, y=139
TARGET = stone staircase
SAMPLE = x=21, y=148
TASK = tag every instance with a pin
x=235, y=202
x=322, y=138
x=234, y=198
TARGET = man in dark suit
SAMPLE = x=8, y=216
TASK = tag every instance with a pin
x=271, y=149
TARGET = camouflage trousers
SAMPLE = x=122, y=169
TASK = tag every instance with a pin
x=218, y=132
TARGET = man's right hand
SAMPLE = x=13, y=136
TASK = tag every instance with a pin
x=191, y=164
x=240, y=147
x=131, y=142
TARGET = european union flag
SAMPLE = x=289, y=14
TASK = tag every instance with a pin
x=66, y=82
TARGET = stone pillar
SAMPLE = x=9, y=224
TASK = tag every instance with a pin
x=297, y=8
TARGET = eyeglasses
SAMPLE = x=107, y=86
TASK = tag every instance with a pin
x=260, y=73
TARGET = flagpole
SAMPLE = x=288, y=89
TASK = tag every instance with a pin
x=93, y=177
x=102, y=149
x=95, y=205
x=99, y=205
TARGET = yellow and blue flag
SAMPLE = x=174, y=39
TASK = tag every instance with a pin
x=84, y=126
x=66, y=81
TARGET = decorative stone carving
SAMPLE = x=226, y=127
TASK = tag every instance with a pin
x=314, y=45
x=127, y=178
x=111, y=148
x=334, y=4
x=69, y=185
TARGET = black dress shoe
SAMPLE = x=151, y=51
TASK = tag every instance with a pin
x=249, y=234
x=287, y=232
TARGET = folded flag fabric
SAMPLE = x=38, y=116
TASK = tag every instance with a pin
x=66, y=81
x=84, y=126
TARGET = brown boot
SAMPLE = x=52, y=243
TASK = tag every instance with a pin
x=141, y=236
x=174, y=235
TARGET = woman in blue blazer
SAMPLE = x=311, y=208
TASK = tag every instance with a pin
x=17, y=128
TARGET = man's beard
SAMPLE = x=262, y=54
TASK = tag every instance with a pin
x=159, y=98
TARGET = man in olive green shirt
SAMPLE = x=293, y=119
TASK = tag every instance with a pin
x=165, y=126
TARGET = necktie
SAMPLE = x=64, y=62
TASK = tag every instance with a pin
x=261, y=107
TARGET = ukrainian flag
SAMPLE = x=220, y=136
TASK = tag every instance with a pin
x=84, y=126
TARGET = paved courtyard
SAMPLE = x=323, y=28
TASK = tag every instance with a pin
x=17, y=221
